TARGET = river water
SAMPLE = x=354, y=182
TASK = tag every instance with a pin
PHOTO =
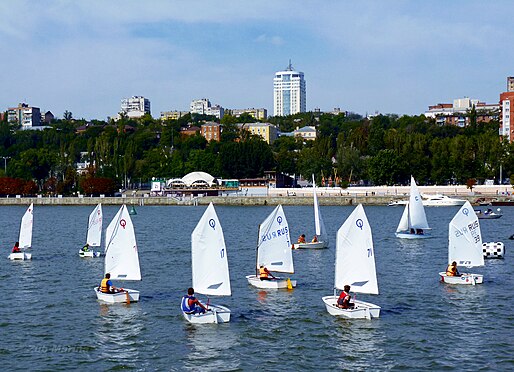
x=51, y=319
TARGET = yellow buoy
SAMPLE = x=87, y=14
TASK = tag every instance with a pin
x=289, y=284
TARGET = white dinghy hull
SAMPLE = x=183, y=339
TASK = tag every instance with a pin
x=119, y=297
x=216, y=314
x=465, y=278
x=279, y=283
x=316, y=245
x=21, y=256
x=362, y=310
x=406, y=235
x=89, y=254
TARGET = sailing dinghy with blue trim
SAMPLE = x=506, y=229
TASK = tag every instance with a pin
x=209, y=265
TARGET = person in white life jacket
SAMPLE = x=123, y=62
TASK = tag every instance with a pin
x=191, y=305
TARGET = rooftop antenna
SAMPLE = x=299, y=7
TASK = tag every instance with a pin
x=290, y=67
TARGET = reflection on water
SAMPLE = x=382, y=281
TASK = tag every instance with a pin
x=118, y=333
x=210, y=347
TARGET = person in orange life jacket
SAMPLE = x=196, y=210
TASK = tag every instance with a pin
x=315, y=239
x=264, y=273
x=451, y=270
x=344, y=299
x=190, y=305
x=301, y=239
x=16, y=248
x=107, y=287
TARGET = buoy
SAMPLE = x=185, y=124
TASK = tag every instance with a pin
x=289, y=284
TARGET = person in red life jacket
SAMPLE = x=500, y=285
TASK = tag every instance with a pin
x=190, y=305
x=315, y=239
x=264, y=273
x=106, y=285
x=301, y=239
x=344, y=299
x=16, y=248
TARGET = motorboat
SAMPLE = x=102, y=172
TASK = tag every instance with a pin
x=440, y=200
x=489, y=214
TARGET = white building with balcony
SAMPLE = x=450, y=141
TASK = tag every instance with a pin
x=135, y=106
x=25, y=116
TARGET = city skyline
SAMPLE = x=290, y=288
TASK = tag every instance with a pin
x=391, y=57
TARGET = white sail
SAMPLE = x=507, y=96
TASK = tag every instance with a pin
x=121, y=258
x=25, y=238
x=404, y=221
x=318, y=220
x=355, y=256
x=465, y=239
x=274, y=247
x=209, y=256
x=417, y=216
x=94, y=228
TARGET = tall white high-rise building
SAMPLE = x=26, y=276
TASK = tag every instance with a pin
x=289, y=94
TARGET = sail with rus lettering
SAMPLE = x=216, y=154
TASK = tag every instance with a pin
x=464, y=246
x=273, y=252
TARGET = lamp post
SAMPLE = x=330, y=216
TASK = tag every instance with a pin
x=5, y=163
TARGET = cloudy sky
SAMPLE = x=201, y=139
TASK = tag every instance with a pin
x=362, y=56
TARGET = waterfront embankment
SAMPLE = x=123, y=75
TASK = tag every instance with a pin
x=378, y=195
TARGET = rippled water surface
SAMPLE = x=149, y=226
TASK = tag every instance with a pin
x=51, y=319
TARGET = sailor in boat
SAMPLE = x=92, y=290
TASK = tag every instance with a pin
x=315, y=239
x=85, y=248
x=419, y=231
x=451, y=270
x=264, y=274
x=16, y=248
x=107, y=287
x=343, y=301
x=301, y=239
x=190, y=305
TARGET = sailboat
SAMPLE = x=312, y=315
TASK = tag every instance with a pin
x=413, y=224
x=94, y=232
x=209, y=268
x=25, y=239
x=355, y=266
x=465, y=246
x=121, y=257
x=274, y=251
x=321, y=232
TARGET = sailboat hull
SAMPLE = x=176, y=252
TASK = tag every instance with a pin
x=20, y=256
x=316, y=245
x=279, y=283
x=407, y=235
x=119, y=297
x=362, y=310
x=465, y=278
x=215, y=314
x=89, y=254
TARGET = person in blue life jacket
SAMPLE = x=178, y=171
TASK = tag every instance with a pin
x=190, y=304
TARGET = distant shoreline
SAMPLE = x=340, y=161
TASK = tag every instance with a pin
x=372, y=195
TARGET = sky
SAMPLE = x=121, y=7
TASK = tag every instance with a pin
x=387, y=56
